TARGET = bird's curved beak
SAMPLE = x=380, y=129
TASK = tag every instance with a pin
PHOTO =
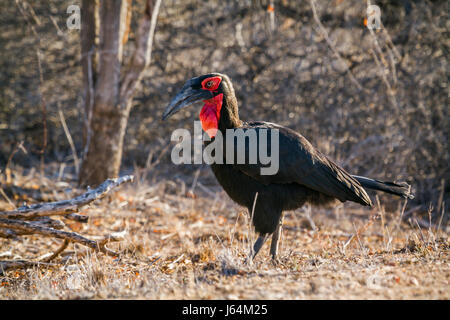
x=184, y=98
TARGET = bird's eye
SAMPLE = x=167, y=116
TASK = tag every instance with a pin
x=211, y=83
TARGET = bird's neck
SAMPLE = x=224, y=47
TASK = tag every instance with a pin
x=229, y=116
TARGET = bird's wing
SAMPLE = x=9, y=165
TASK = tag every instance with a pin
x=298, y=162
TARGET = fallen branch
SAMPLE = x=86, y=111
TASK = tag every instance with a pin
x=42, y=221
x=65, y=207
x=35, y=219
x=32, y=228
x=18, y=264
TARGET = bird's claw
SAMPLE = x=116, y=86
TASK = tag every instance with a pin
x=276, y=262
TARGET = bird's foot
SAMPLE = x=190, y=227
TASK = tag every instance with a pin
x=276, y=262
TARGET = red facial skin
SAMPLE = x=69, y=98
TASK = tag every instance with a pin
x=210, y=113
x=211, y=83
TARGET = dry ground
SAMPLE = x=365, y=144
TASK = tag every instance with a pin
x=186, y=239
x=189, y=241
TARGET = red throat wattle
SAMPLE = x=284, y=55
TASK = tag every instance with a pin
x=210, y=115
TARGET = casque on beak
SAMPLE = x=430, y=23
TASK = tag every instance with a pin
x=186, y=97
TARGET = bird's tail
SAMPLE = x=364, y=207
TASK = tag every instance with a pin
x=401, y=189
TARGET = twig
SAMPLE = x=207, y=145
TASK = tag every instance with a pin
x=393, y=62
x=142, y=54
x=390, y=91
x=441, y=196
x=361, y=230
x=19, y=146
x=69, y=139
x=2, y=192
x=333, y=48
x=250, y=228
x=440, y=219
x=77, y=217
x=44, y=111
x=423, y=224
x=57, y=252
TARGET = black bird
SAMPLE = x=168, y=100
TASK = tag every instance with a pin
x=304, y=176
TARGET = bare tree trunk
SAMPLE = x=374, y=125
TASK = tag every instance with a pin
x=106, y=120
x=101, y=159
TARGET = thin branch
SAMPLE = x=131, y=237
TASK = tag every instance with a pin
x=379, y=51
x=44, y=111
x=19, y=146
x=333, y=48
x=385, y=80
x=77, y=217
x=69, y=139
x=4, y=195
x=57, y=252
x=142, y=54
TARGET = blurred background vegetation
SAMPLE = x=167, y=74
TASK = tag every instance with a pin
x=393, y=123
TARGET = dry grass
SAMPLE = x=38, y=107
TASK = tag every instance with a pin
x=186, y=239
x=190, y=242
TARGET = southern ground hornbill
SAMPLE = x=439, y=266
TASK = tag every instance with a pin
x=304, y=175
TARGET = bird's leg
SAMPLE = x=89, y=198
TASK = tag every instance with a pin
x=275, y=239
x=258, y=244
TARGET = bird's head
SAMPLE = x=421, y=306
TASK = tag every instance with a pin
x=212, y=89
